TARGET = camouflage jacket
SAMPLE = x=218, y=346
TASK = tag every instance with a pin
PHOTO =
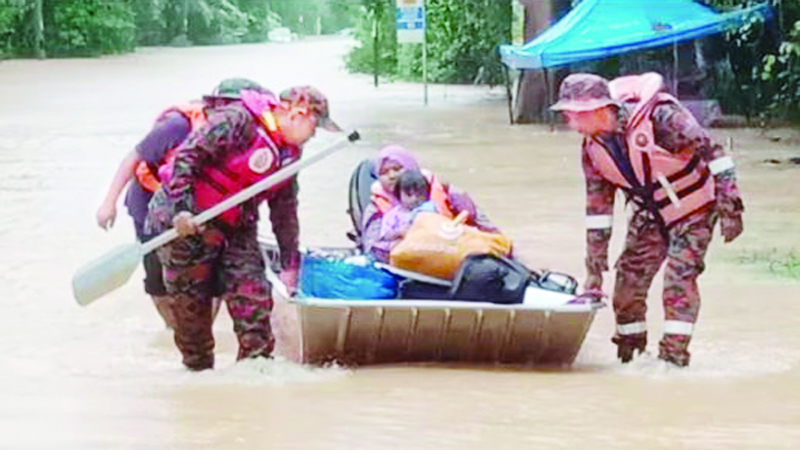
x=230, y=130
x=674, y=128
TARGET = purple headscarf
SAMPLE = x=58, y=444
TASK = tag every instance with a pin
x=400, y=155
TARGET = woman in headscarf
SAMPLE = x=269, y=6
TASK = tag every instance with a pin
x=391, y=162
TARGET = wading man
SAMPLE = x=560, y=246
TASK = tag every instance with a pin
x=240, y=144
x=680, y=183
x=141, y=165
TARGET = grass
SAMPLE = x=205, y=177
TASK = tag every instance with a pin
x=780, y=263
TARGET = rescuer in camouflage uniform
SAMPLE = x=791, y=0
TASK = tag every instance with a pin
x=230, y=249
x=171, y=128
x=587, y=104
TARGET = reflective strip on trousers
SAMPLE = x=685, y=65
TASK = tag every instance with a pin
x=678, y=327
x=601, y=222
x=632, y=328
x=720, y=165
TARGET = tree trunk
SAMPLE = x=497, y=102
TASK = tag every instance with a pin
x=183, y=28
x=38, y=29
x=376, y=28
x=532, y=100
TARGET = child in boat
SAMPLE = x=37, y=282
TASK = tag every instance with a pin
x=413, y=191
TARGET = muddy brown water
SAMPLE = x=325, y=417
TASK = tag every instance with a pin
x=108, y=376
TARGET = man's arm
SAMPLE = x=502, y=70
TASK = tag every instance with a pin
x=108, y=209
x=285, y=224
x=371, y=227
x=676, y=129
x=461, y=201
x=599, y=219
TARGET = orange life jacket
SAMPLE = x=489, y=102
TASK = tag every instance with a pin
x=385, y=201
x=672, y=185
x=148, y=176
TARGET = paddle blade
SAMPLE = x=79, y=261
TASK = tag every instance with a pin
x=105, y=273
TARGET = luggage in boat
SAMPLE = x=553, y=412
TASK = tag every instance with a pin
x=354, y=277
x=548, y=327
x=411, y=289
x=436, y=245
x=491, y=278
x=485, y=278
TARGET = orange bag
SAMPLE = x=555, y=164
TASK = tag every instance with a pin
x=436, y=245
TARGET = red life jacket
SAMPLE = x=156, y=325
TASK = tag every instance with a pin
x=385, y=201
x=672, y=185
x=217, y=182
x=148, y=176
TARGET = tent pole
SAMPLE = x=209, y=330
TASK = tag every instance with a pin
x=508, y=94
x=675, y=68
x=547, y=101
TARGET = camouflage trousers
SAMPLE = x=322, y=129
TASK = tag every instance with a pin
x=645, y=251
x=192, y=268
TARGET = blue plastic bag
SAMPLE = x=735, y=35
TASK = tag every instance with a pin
x=350, y=278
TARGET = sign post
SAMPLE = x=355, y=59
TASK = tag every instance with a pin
x=411, y=26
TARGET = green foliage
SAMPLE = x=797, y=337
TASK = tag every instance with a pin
x=308, y=17
x=89, y=27
x=759, y=76
x=11, y=14
x=341, y=14
x=260, y=19
x=150, y=21
x=94, y=27
x=781, y=75
x=778, y=261
x=375, y=16
x=216, y=22
x=462, y=39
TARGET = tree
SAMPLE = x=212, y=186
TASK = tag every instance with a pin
x=375, y=30
x=37, y=22
x=462, y=38
x=532, y=101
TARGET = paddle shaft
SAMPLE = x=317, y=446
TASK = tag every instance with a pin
x=249, y=192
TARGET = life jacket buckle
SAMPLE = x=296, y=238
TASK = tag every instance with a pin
x=673, y=197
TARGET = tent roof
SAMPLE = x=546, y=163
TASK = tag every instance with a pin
x=599, y=28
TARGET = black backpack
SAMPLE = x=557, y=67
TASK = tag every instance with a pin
x=489, y=278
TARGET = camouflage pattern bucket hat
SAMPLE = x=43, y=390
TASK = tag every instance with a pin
x=311, y=98
x=230, y=89
x=583, y=92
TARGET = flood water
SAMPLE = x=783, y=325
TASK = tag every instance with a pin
x=108, y=375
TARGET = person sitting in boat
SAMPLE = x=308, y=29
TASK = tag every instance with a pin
x=414, y=194
x=391, y=163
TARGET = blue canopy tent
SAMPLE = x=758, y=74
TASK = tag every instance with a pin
x=595, y=29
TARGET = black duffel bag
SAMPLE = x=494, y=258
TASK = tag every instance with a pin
x=419, y=290
x=489, y=278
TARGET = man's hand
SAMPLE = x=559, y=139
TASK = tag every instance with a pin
x=731, y=226
x=289, y=278
x=183, y=223
x=106, y=215
x=730, y=208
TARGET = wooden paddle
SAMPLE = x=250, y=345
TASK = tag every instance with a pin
x=113, y=269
